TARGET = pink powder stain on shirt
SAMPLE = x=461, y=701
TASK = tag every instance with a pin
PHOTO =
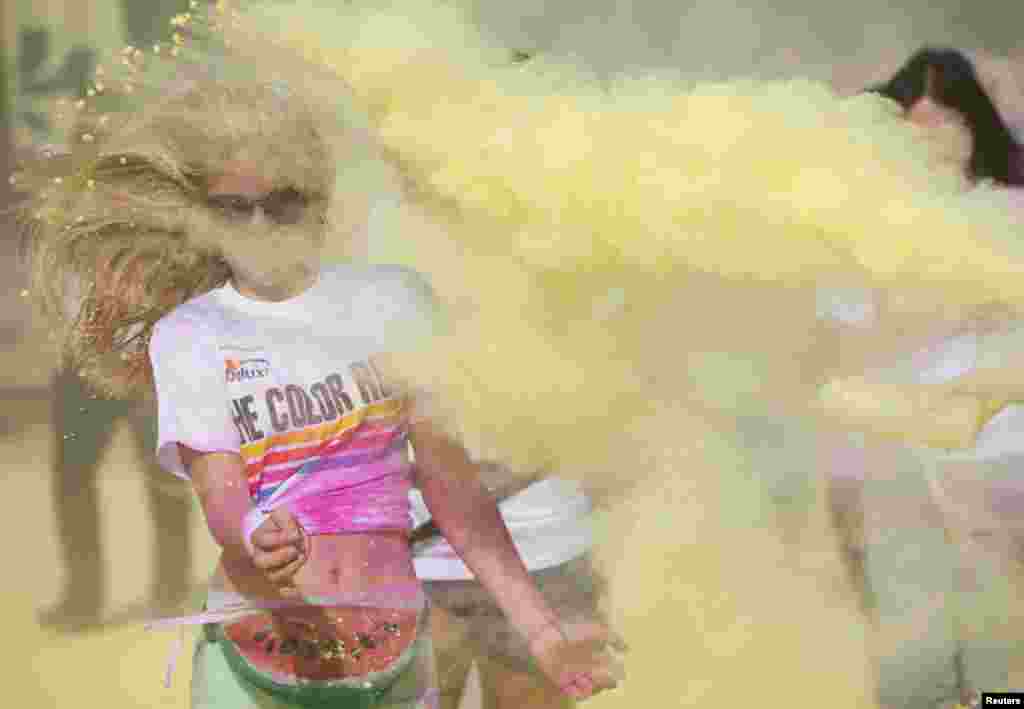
x=336, y=500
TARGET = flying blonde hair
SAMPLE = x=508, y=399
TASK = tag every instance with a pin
x=116, y=233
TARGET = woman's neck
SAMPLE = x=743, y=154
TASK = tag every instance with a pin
x=275, y=293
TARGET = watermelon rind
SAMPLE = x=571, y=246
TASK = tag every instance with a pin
x=363, y=692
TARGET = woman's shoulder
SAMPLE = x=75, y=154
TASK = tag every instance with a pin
x=381, y=286
x=382, y=276
x=196, y=317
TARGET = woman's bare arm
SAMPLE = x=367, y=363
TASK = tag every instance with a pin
x=219, y=481
x=467, y=514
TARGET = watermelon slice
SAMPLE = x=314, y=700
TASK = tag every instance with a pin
x=335, y=658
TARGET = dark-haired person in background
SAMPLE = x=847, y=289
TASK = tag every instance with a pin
x=944, y=617
x=940, y=90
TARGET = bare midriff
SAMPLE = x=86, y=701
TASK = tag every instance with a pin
x=337, y=564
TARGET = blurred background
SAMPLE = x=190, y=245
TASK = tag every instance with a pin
x=84, y=564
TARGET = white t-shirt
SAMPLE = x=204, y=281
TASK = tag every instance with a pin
x=275, y=382
x=287, y=383
x=550, y=524
x=1003, y=434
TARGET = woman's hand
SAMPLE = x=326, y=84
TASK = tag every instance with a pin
x=279, y=549
x=577, y=658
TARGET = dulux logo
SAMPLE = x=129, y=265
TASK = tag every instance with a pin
x=246, y=369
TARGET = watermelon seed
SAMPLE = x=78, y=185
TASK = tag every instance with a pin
x=270, y=646
x=331, y=648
